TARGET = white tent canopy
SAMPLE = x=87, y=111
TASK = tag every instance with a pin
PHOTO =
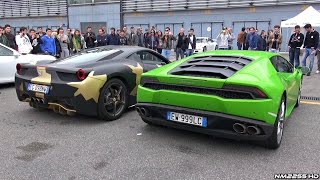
x=308, y=16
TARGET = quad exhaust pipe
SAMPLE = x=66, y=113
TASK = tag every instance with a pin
x=239, y=128
x=242, y=129
x=143, y=111
x=253, y=130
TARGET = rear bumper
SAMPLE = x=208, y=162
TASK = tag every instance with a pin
x=218, y=124
x=60, y=95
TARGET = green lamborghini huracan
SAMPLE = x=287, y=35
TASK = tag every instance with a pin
x=233, y=94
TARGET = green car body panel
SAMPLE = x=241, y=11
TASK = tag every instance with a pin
x=259, y=73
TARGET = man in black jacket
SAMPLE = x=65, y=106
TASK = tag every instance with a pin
x=10, y=37
x=191, y=42
x=295, y=43
x=181, y=43
x=35, y=42
x=90, y=38
x=113, y=38
x=310, y=44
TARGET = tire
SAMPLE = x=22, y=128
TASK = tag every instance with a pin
x=204, y=49
x=299, y=96
x=113, y=100
x=298, y=99
x=274, y=141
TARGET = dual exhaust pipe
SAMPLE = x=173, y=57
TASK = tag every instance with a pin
x=243, y=129
x=143, y=111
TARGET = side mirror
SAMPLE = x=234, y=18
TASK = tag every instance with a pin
x=16, y=55
x=305, y=70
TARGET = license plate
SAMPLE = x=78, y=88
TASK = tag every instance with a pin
x=38, y=88
x=187, y=119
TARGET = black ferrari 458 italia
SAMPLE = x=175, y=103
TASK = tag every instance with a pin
x=100, y=82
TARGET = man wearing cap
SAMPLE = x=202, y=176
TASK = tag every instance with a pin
x=310, y=44
x=295, y=43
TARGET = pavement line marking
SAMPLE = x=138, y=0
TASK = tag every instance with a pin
x=309, y=102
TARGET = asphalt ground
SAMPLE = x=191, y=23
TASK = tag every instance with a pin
x=44, y=145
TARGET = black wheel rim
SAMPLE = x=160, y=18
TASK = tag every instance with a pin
x=114, y=99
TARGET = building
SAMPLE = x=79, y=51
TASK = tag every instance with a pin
x=207, y=17
x=94, y=13
x=33, y=13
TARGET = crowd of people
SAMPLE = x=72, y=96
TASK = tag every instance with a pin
x=62, y=44
x=251, y=39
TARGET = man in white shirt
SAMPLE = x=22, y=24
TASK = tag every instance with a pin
x=23, y=41
x=191, y=39
x=64, y=41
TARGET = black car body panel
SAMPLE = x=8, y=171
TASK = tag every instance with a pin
x=81, y=96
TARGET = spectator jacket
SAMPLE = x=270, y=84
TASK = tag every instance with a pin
x=311, y=40
x=193, y=43
x=24, y=44
x=278, y=41
x=296, y=40
x=102, y=40
x=181, y=42
x=123, y=41
x=153, y=42
x=167, y=43
x=252, y=40
x=140, y=40
x=90, y=39
x=11, y=40
x=113, y=39
x=48, y=45
x=35, y=42
x=4, y=40
x=241, y=37
x=223, y=40
x=133, y=39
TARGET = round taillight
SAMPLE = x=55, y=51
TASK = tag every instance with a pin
x=81, y=74
x=18, y=68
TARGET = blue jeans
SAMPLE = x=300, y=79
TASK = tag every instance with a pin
x=179, y=52
x=189, y=52
x=294, y=56
x=308, y=53
x=166, y=53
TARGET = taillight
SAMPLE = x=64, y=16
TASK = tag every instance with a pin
x=81, y=74
x=256, y=92
x=19, y=68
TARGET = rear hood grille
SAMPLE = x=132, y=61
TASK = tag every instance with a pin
x=220, y=67
x=223, y=93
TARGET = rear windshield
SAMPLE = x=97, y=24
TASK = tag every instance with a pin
x=90, y=56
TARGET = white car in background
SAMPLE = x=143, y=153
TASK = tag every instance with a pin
x=205, y=44
x=9, y=59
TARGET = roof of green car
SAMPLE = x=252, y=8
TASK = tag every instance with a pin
x=254, y=55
